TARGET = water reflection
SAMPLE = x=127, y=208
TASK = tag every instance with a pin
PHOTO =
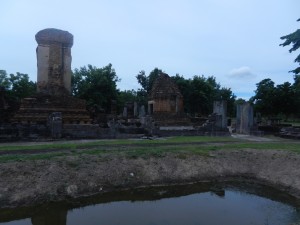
x=192, y=204
x=51, y=217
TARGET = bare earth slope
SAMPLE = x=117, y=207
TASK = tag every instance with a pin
x=34, y=182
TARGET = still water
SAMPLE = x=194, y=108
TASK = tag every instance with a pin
x=209, y=206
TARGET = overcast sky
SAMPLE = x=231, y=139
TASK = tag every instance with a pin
x=237, y=41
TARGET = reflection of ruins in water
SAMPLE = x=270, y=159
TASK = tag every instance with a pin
x=57, y=213
x=56, y=216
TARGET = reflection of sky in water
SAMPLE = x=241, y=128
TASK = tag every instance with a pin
x=235, y=208
x=18, y=222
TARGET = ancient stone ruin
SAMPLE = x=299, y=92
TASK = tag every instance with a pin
x=54, y=62
x=53, y=83
x=220, y=111
x=244, y=118
x=165, y=97
x=165, y=103
x=53, y=113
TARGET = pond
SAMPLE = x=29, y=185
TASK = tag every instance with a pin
x=208, y=204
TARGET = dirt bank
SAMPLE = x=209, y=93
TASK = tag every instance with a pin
x=34, y=182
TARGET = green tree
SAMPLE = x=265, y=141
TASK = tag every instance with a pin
x=14, y=87
x=147, y=81
x=4, y=80
x=98, y=86
x=17, y=86
x=21, y=86
x=200, y=92
x=184, y=86
x=202, y=95
x=296, y=89
x=294, y=39
x=264, y=97
x=126, y=96
x=273, y=100
x=284, y=99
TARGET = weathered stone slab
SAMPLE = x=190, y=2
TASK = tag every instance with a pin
x=244, y=118
x=220, y=109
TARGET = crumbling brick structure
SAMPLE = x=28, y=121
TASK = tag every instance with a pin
x=165, y=103
x=165, y=97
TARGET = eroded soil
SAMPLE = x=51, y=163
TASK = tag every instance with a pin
x=32, y=182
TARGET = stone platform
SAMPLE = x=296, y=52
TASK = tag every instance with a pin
x=38, y=108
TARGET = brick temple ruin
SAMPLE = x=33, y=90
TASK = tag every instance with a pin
x=165, y=97
x=165, y=103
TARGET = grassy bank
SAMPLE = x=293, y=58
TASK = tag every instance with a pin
x=137, y=148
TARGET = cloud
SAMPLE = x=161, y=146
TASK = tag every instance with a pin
x=242, y=73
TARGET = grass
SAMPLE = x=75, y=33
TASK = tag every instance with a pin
x=180, y=146
x=120, y=142
x=38, y=147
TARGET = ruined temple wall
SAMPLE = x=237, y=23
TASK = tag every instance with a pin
x=161, y=105
x=168, y=105
x=180, y=106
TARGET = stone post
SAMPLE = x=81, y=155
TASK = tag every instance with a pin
x=220, y=108
x=54, y=61
x=55, y=124
x=125, y=114
x=142, y=111
x=135, y=109
x=244, y=118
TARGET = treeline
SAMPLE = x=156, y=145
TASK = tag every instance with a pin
x=282, y=100
x=14, y=87
x=98, y=86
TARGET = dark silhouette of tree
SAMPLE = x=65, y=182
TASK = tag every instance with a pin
x=264, y=97
x=294, y=39
x=279, y=100
x=13, y=87
x=98, y=86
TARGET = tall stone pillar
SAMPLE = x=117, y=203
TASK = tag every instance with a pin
x=220, y=108
x=244, y=118
x=53, y=85
x=54, y=61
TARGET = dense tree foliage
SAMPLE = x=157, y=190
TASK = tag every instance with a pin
x=282, y=99
x=294, y=39
x=200, y=92
x=264, y=96
x=147, y=81
x=98, y=86
x=13, y=88
x=16, y=86
x=126, y=96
